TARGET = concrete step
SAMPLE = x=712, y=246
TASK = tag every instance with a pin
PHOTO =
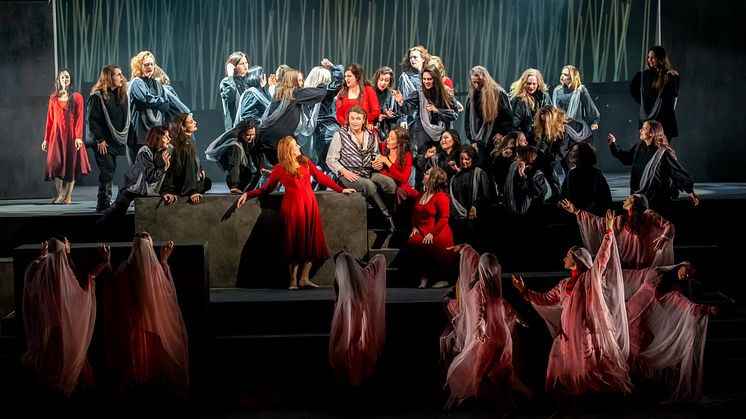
x=391, y=255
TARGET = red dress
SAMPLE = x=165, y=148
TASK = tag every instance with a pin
x=303, y=239
x=432, y=217
x=368, y=101
x=401, y=175
x=63, y=160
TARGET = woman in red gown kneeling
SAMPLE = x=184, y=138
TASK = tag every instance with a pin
x=303, y=239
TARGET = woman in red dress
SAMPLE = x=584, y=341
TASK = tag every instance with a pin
x=397, y=162
x=357, y=91
x=431, y=235
x=303, y=239
x=63, y=138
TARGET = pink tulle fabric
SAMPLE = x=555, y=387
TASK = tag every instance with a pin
x=358, y=328
x=667, y=335
x=635, y=249
x=589, y=326
x=146, y=340
x=482, y=367
x=58, y=317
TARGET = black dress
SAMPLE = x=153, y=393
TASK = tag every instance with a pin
x=642, y=91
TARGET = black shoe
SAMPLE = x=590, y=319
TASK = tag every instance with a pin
x=101, y=208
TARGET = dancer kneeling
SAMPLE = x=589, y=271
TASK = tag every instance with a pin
x=304, y=239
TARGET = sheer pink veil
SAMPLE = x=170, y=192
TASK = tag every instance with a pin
x=145, y=306
x=358, y=328
x=59, y=317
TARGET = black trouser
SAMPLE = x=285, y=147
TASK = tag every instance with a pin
x=118, y=209
x=107, y=165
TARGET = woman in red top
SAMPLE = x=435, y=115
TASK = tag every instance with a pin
x=356, y=91
x=397, y=162
x=431, y=235
x=63, y=138
x=303, y=239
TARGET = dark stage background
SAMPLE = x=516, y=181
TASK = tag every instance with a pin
x=191, y=39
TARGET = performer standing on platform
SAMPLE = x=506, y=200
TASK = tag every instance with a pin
x=487, y=113
x=357, y=92
x=254, y=100
x=63, y=138
x=303, y=239
x=586, y=316
x=573, y=97
x=412, y=64
x=657, y=90
x=147, y=99
x=145, y=335
x=108, y=126
x=527, y=95
x=232, y=86
x=358, y=329
x=656, y=173
x=58, y=316
x=383, y=81
x=329, y=77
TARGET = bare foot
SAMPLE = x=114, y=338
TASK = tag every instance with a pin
x=57, y=199
x=306, y=283
x=423, y=283
x=67, y=200
x=293, y=287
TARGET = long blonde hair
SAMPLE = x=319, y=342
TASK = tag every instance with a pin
x=549, y=123
x=518, y=88
x=575, y=82
x=285, y=157
x=136, y=63
x=287, y=86
x=489, y=95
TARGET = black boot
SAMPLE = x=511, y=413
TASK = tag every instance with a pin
x=103, y=197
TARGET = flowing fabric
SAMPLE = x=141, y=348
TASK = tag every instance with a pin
x=64, y=126
x=484, y=328
x=667, y=334
x=358, y=329
x=591, y=338
x=303, y=238
x=146, y=339
x=58, y=317
x=635, y=248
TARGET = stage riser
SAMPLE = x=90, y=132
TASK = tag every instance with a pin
x=6, y=286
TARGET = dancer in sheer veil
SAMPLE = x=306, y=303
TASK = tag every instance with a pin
x=358, y=328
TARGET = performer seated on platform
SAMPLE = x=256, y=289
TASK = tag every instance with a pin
x=145, y=335
x=144, y=177
x=525, y=185
x=186, y=177
x=503, y=155
x=471, y=194
x=237, y=153
x=358, y=329
x=59, y=314
x=429, y=259
x=587, y=319
x=354, y=157
x=303, y=239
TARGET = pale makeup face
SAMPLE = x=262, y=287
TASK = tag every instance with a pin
x=415, y=59
x=300, y=79
x=250, y=135
x=148, y=66
x=477, y=82
x=565, y=76
x=356, y=121
x=350, y=80
x=427, y=81
x=628, y=203
x=190, y=125
x=446, y=142
x=118, y=77
x=383, y=82
x=532, y=83
x=242, y=67
x=165, y=140
x=392, y=142
x=465, y=160
x=569, y=261
x=521, y=141
x=65, y=79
